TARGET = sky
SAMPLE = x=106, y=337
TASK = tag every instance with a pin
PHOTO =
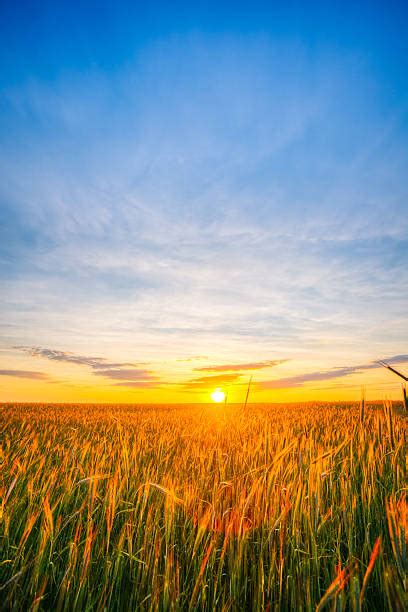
x=193, y=194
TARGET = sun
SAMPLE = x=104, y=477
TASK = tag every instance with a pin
x=218, y=396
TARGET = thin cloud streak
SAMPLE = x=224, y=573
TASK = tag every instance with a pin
x=126, y=374
x=64, y=356
x=206, y=382
x=396, y=359
x=341, y=372
x=142, y=384
x=24, y=374
x=132, y=376
x=241, y=367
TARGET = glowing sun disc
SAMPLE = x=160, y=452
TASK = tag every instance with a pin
x=218, y=396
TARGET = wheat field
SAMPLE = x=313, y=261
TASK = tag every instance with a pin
x=266, y=507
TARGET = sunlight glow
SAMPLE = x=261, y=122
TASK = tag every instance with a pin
x=218, y=396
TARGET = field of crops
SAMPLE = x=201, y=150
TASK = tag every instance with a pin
x=202, y=507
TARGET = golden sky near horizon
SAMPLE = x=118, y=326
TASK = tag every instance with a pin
x=55, y=376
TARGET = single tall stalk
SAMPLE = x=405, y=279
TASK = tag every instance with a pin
x=247, y=393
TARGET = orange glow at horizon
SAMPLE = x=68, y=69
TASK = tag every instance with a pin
x=27, y=378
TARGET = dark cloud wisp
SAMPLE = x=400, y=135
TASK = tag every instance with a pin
x=95, y=363
x=128, y=373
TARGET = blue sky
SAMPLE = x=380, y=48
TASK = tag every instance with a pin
x=223, y=183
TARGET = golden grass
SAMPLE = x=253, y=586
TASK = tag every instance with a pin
x=202, y=507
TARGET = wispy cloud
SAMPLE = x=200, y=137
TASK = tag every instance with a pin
x=141, y=384
x=206, y=382
x=95, y=363
x=126, y=374
x=131, y=376
x=241, y=367
x=395, y=359
x=302, y=379
x=193, y=358
x=24, y=374
x=340, y=372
